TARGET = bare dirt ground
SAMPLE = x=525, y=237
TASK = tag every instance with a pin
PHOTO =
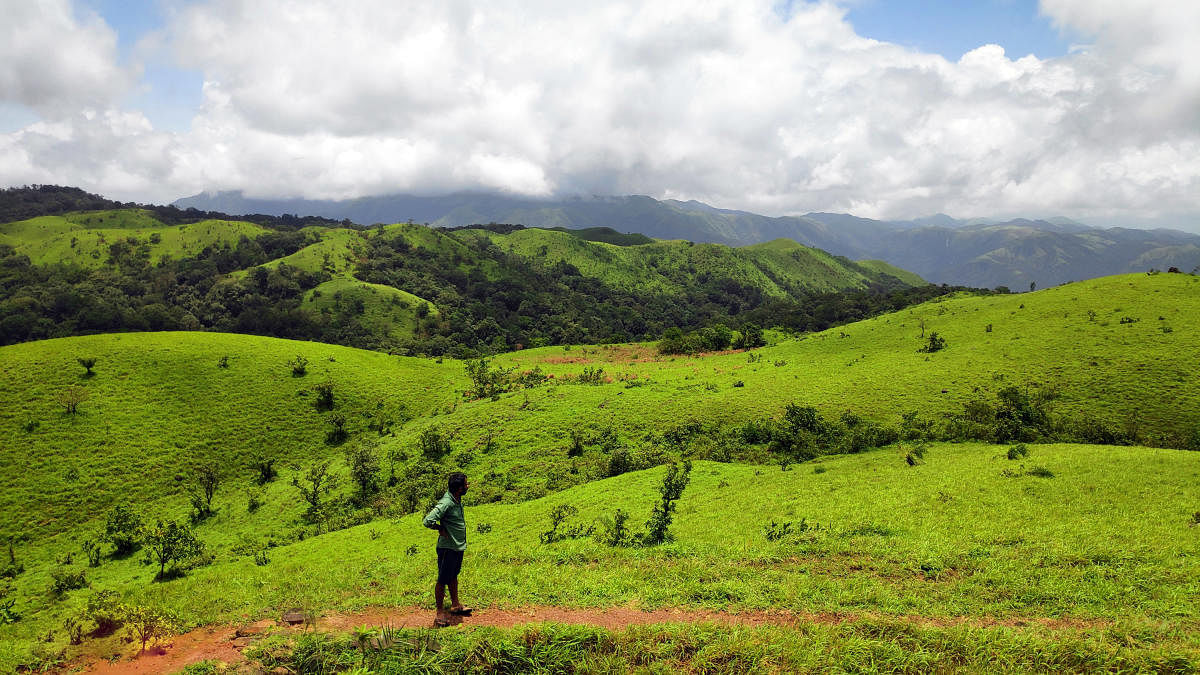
x=225, y=643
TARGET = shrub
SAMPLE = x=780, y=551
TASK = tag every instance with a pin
x=487, y=381
x=7, y=613
x=223, y=362
x=264, y=464
x=91, y=549
x=1018, y=451
x=148, y=625
x=299, y=366
x=558, y=516
x=363, y=460
x=750, y=337
x=914, y=454
x=674, y=482
x=73, y=625
x=123, y=530
x=775, y=532
x=935, y=343
x=576, y=447
x=254, y=498
x=337, y=429
x=317, y=485
x=432, y=444
x=63, y=579
x=1041, y=472
x=105, y=609
x=206, y=478
x=324, y=392
x=613, y=531
x=71, y=397
x=170, y=542
x=483, y=528
x=591, y=375
x=30, y=425
x=87, y=363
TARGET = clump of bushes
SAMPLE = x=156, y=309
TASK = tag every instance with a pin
x=934, y=343
x=558, y=517
x=1018, y=451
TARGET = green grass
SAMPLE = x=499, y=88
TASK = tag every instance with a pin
x=1104, y=543
x=1107, y=538
x=386, y=310
x=708, y=648
x=778, y=268
x=84, y=238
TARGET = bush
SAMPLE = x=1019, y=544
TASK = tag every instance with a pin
x=206, y=478
x=751, y=337
x=674, y=482
x=363, y=460
x=315, y=487
x=775, y=532
x=914, y=454
x=63, y=579
x=264, y=464
x=935, y=343
x=324, y=392
x=1018, y=451
x=148, y=625
x=123, y=530
x=613, y=531
x=71, y=397
x=105, y=609
x=337, y=429
x=488, y=381
x=299, y=366
x=432, y=444
x=559, y=516
x=87, y=363
x=91, y=549
x=170, y=542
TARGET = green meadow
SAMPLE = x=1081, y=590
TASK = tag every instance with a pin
x=954, y=562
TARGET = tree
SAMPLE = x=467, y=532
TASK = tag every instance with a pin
x=71, y=397
x=207, y=477
x=363, y=460
x=750, y=338
x=123, y=529
x=486, y=381
x=146, y=624
x=87, y=363
x=317, y=484
x=170, y=542
x=432, y=444
x=936, y=343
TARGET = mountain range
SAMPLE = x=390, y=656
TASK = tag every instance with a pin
x=942, y=249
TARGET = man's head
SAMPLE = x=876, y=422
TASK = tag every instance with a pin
x=457, y=484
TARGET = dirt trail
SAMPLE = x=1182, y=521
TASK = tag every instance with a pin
x=225, y=643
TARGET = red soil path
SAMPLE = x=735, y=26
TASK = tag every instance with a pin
x=224, y=643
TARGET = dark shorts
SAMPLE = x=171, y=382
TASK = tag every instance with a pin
x=449, y=565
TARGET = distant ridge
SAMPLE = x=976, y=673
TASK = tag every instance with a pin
x=939, y=248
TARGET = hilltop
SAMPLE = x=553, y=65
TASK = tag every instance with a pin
x=975, y=252
x=409, y=288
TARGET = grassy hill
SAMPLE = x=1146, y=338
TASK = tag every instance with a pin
x=954, y=536
x=86, y=238
x=125, y=269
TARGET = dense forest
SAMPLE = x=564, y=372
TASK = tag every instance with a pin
x=517, y=303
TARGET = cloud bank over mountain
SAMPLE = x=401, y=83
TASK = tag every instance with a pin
x=730, y=102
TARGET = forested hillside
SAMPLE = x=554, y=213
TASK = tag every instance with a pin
x=405, y=288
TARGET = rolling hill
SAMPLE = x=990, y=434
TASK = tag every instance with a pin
x=957, y=535
x=941, y=249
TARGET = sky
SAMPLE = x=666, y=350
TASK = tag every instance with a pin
x=894, y=109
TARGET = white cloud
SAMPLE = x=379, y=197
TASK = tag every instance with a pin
x=54, y=61
x=722, y=101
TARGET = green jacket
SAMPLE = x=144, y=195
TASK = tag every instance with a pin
x=448, y=513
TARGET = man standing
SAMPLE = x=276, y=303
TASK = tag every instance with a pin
x=447, y=518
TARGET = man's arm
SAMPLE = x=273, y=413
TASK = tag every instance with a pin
x=433, y=520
